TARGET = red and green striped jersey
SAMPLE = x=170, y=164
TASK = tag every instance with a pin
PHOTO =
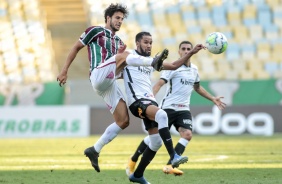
x=102, y=44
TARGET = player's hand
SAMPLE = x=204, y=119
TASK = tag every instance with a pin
x=62, y=78
x=197, y=48
x=121, y=48
x=217, y=101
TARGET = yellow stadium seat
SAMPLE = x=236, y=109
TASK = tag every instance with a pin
x=255, y=32
x=246, y=75
x=278, y=74
x=250, y=11
x=273, y=3
x=223, y=66
x=263, y=50
x=231, y=75
x=253, y=65
x=239, y=65
x=234, y=18
x=276, y=52
x=241, y=34
x=261, y=74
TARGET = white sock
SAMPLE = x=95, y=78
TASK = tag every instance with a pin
x=147, y=140
x=110, y=133
x=136, y=60
x=183, y=141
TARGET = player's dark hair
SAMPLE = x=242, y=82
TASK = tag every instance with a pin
x=185, y=42
x=115, y=8
x=140, y=35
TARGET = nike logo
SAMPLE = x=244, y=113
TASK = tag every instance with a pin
x=168, y=139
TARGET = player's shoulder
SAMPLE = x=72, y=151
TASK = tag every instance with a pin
x=95, y=28
x=194, y=66
x=131, y=51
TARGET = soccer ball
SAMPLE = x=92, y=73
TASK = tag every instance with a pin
x=216, y=43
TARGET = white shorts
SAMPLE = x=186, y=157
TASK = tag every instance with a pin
x=103, y=80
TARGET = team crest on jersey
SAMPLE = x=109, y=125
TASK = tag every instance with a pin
x=148, y=95
x=104, y=38
x=111, y=75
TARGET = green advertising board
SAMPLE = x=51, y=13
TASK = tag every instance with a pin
x=49, y=93
x=256, y=92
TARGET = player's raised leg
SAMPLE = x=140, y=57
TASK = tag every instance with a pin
x=125, y=58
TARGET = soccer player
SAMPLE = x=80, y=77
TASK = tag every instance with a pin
x=142, y=104
x=176, y=104
x=107, y=57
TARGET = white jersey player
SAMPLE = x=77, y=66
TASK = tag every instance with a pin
x=181, y=83
x=142, y=104
x=179, y=90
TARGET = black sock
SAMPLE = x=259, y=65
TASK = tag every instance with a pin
x=166, y=137
x=179, y=149
x=148, y=155
x=141, y=148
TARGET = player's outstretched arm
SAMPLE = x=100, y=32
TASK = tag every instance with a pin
x=176, y=64
x=62, y=77
x=216, y=100
x=158, y=86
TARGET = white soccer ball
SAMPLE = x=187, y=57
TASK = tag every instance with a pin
x=216, y=43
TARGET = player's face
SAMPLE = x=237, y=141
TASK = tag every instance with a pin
x=115, y=22
x=144, y=46
x=184, y=49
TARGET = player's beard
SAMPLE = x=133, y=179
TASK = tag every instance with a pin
x=143, y=53
x=113, y=27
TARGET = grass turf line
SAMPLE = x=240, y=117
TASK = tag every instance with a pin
x=212, y=159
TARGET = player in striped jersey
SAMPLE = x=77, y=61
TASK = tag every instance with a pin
x=107, y=58
x=142, y=104
x=176, y=104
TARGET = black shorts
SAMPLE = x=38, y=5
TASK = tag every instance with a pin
x=138, y=109
x=179, y=119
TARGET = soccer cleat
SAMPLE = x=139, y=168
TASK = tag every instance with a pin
x=140, y=180
x=130, y=167
x=158, y=60
x=92, y=154
x=177, y=160
x=169, y=170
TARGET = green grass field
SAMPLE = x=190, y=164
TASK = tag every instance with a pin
x=212, y=159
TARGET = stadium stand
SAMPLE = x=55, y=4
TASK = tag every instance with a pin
x=253, y=29
x=38, y=33
x=26, y=53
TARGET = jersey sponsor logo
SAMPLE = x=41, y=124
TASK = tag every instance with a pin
x=144, y=70
x=187, y=121
x=140, y=112
x=179, y=105
x=187, y=82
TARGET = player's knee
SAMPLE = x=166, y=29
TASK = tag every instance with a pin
x=123, y=123
x=155, y=142
x=187, y=135
x=121, y=57
x=161, y=118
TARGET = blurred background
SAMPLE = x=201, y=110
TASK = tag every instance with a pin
x=36, y=37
